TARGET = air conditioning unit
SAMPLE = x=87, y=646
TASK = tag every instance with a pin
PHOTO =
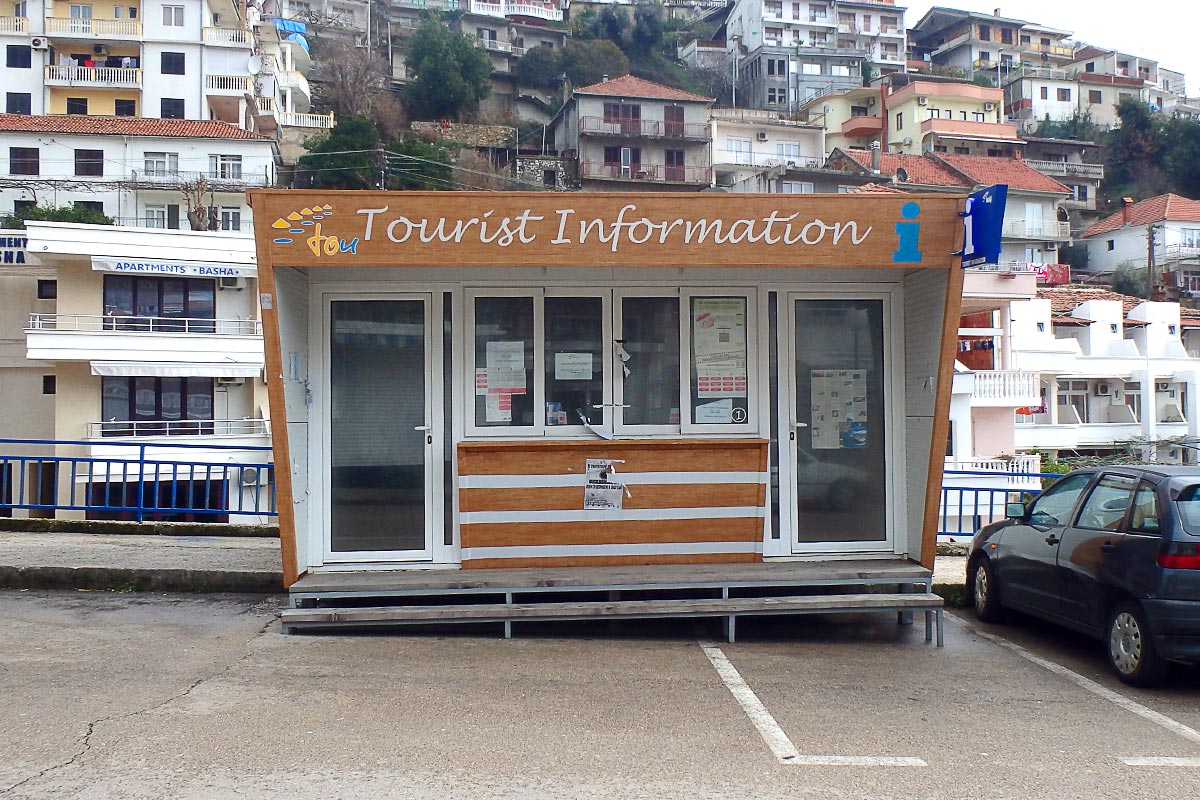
x=1162, y=386
x=229, y=282
x=231, y=381
x=762, y=136
x=39, y=43
x=922, y=101
x=989, y=106
x=870, y=102
x=99, y=49
x=1103, y=389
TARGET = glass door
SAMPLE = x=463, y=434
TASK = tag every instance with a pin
x=380, y=441
x=835, y=426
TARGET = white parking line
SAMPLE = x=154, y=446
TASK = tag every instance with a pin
x=1120, y=700
x=781, y=746
x=1162, y=761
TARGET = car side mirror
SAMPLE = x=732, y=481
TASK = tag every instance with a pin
x=1014, y=510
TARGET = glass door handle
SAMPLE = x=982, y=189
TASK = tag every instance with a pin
x=799, y=424
x=426, y=429
x=422, y=428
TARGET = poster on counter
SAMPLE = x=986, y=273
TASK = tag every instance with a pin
x=603, y=496
x=719, y=346
x=572, y=366
x=839, y=409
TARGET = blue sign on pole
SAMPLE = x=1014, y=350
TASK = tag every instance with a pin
x=983, y=221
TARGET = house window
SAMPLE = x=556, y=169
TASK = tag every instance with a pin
x=985, y=33
x=623, y=162
x=47, y=289
x=977, y=116
x=787, y=149
x=20, y=56
x=1044, y=92
x=1112, y=245
x=156, y=406
x=933, y=113
x=795, y=187
x=627, y=115
x=95, y=206
x=675, y=168
x=1006, y=36
x=985, y=56
x=18, y=103
x=1073, y=402
x=228, y=218
x=817, y=13
x=840, y=71
x=1064, y=94
x=49, y=384
x=994, y=152
x=172, y=64
x=1189, y=237
x=1079, y=192
x=77, y=105
x=89, y=162
x=162, y=163
x=172, y=16
x=24, y=161
x=773, y=8
x=899, y=120
x=776, y=96
x=738, y=150
x=225, y=167
x=125, y=108
x=962, y=151
x=777, y=67
x=1094, y=96
x=156, y=217
x=160, y=303
x=171, y=108
x=550, y=178
x=808, y=68
x=773, y=35
x=1090, y=67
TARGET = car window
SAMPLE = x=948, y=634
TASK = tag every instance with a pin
x=1105, y=507
x=1144, y=518
x=1188, y=505
x=1054, y=506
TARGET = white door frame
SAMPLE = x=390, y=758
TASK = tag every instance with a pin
x=893, y=409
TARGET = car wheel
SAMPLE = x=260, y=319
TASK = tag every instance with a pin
x=1131, y=647
x=842, y=495
x=986, y=591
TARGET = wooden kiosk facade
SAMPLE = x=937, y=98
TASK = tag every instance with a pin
x=467, y=384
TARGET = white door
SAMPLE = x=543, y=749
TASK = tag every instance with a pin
x=1033, y=219
x=835, y=424
x=381, y=447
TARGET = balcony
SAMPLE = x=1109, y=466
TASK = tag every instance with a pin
x=95, y=337
x=228, y=85
x=64, y=27
x=642, y=173
x=302, y=92
x=497, y=46
x=238, y=37
x=14, y=25
x=179, y=427
x=644, y=128
x=1055, y=50
x=293, y=119
x=1037, y=436
x=1063, y=169
x=864, y=126
x=106, y=77
x=506, y=8
x=226, y=180
x=971, y=130
x=741, y=158
x=1036, y=229
x=1006, y=389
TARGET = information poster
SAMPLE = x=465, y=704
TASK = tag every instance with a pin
x=719, y=346
x=510, y=355
x=839, y=409
x=572, y=366
x=602, y=492
x=502, y=376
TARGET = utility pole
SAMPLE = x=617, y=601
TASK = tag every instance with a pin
x=1151, y=236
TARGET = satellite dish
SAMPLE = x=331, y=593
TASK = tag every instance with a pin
x=255, y=65
x=902, y=174
x=907, y=141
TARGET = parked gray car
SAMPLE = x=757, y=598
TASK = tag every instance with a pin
x=1113, y=552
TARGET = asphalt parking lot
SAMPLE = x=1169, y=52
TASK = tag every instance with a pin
x=151, y=696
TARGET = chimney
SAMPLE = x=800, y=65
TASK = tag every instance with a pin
x=604, y=79
x=875, y=157
x=996, y=13
x=1126, y=210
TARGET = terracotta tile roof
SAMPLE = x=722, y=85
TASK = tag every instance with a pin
x=124, y=126
x=987, y=170
x=1065, y=300
x=630, y=86
x=1154, y=209
x=876, y=188
x=921, y=171
x=1089, y=51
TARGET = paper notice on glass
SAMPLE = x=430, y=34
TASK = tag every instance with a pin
x=503, y=381
x=603, y=496
x=839, y=409
x=719, y=346
x=572, y=366
x=498, y=407
x=718, y=412
x=506, y=355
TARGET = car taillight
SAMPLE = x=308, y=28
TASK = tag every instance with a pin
x=1180, y=555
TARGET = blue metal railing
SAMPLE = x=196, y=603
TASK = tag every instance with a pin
x=141, y=481
x=967, y=508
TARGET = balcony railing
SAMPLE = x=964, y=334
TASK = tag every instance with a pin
x=645, y=128
x=1067, y=169
x=93, y=76
x=742, y=158
x=228, y=36
x=14, y=24
x=1037, y=229
x=220, y=180
x=96, y=28
x=179, y=427
x=508, y=8
x=231, y=84
x=129, y=324
x=497, y=46
x=1006, y=388
x=296, y=120
x=660, y=173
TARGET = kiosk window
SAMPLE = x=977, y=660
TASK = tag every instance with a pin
x=504, y=348
x=650, y=337
x=718, y=342
x=574, y=360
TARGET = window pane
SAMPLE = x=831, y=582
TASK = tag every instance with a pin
x=199, y=398
x=719, y=360
x=503, y=361
x=1106, y=505
x=115, y=399
x=201, y=302
x=1145, y=511
x=172, y=398
x=145, y=405
x=574, y=359
x=650, y=330
x=1055, y=506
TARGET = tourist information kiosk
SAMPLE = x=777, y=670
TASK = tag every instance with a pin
x=484, y=381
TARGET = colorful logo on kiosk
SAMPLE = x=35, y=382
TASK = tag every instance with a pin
x=311, y=221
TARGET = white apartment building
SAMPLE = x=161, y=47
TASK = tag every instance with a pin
x=133, y=170
x=146, y=337
x=753, y=150
x=789, y=51
x=1167, y=225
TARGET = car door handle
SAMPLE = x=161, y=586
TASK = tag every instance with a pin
x=1052, y=539
x=1108, y=547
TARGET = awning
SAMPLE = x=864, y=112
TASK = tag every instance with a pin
x=298, y=39
x=174, y=369
x=291, y=25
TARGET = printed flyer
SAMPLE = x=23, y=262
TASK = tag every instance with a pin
x=719, y=346
x=839, y=409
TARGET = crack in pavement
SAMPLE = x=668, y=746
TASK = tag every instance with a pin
x=85, y=742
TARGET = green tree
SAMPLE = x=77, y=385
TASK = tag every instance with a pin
x=414, y=164
x=646, y=33
x=587, y=61
x=1181, y=155
x=82, y=214
x=348, y=158
x=450, y=75
x=539, y=68
x=868, y=72
x=1078, y=125
x=1131, y=281
x=1133, y=152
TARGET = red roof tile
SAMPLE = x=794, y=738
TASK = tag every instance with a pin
x=630, y=86
x=921, y=171
x=124, y=126
x=1065, y=300
x=988, y=170
x=1155, y=209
